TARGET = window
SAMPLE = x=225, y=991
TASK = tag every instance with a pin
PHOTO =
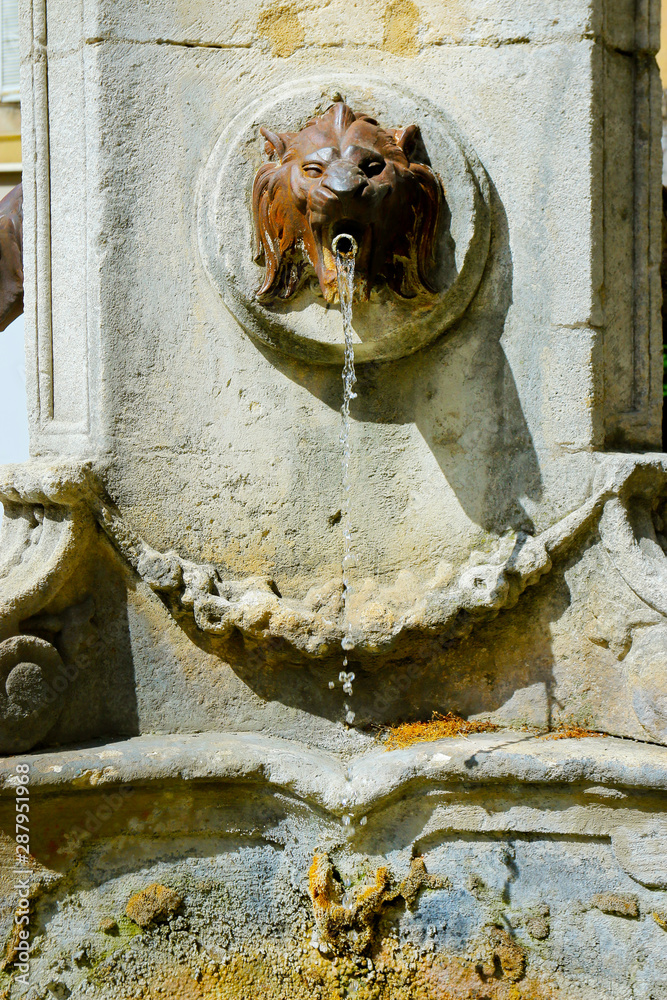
x=9, y=51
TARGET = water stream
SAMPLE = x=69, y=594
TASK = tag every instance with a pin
x=345, y=249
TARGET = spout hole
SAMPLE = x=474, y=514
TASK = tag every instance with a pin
x=345, y=245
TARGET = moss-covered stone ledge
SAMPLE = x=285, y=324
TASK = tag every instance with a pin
x=523, y=866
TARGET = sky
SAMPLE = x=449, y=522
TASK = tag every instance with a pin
x=13, y=412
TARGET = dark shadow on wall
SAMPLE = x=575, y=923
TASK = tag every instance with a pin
x=461, y=395
x=663, y=275
x=500, y=661
x=87, y=622
x=470, y=414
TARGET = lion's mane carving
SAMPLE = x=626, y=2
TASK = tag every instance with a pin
x=343, y=172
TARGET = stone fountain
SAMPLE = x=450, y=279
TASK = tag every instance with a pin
x=214, y=810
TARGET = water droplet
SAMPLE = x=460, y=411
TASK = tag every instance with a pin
x=331, y=685
x=363, y=821
x=350, y=717
x=347, y=819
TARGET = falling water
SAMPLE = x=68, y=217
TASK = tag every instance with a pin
x=345, y=249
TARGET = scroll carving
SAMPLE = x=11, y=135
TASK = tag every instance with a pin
x=46, y=529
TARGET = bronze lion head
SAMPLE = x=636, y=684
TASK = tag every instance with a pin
x=344, y=173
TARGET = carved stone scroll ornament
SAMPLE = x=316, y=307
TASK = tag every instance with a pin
x=51, y=515
x=344, y=173
x=219, y=610
x=28, y=667
x=46, y=528
x=633, y=529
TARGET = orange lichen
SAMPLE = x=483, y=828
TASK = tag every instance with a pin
x=323, y=890
x=571, y=733
x=439, y=727
x=347, y=925
x=401, y=973
x=153, y=905
x=12, y=948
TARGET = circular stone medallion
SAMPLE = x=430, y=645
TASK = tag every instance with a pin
x=387, y=326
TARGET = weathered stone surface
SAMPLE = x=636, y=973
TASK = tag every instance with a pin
x=503, y=835
x=427, y=430
x=171, y=590
x=604, y=767
x=621, y=906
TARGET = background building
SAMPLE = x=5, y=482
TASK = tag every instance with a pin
x=10, y=110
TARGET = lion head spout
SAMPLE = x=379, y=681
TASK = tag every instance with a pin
x=344, y=173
